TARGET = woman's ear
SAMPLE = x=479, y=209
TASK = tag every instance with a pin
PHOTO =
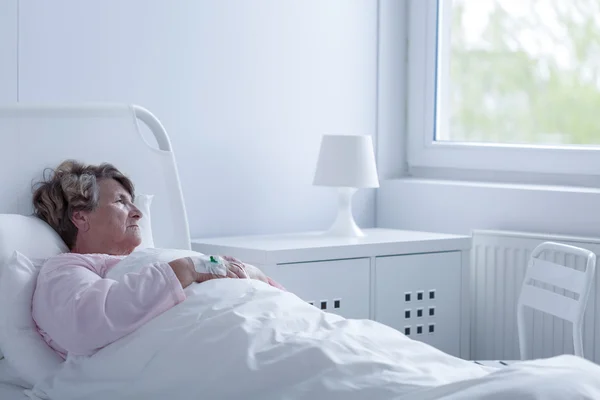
x=80, y=220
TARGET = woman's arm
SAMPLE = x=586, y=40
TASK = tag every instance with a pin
x=81, y=312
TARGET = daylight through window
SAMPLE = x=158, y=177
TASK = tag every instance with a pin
x=518, y=72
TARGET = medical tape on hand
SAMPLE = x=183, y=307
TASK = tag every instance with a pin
x=214, y=265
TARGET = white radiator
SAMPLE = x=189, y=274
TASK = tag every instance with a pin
x=498, y=262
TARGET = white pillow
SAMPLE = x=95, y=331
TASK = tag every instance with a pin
x=29, y=235
x=24, y=347
x=144, y=202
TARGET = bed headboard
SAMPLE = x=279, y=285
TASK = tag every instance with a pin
x=33, y=138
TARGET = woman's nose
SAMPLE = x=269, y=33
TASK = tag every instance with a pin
x=136, y=213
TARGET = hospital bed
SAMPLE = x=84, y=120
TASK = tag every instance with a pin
x=38, y=137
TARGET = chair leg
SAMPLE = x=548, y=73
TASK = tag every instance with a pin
x=577, y=341
x=523, y=350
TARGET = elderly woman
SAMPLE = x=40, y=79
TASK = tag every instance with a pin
x=77, y=309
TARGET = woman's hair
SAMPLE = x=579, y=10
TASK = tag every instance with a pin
x=71, y=187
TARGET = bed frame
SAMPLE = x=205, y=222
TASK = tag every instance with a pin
x=36, y=137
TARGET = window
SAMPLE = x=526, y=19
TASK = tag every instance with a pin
x=505, y=85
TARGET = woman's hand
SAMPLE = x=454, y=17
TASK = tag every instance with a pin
x=251, y=272
x=186, y=273
x=235, y=268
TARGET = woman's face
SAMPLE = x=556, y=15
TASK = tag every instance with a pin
x=112, y=227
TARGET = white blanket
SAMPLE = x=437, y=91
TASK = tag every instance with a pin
x=242, y=339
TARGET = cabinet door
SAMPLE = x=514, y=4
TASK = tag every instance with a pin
x=420, y=296
x=340, y=286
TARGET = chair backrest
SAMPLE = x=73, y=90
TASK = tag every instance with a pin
x=578, y=282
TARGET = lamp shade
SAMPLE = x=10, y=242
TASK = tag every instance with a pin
x=346, y=161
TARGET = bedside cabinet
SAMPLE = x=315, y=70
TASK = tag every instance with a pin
x=415, y=282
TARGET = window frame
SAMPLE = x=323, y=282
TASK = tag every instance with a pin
x=424, y=152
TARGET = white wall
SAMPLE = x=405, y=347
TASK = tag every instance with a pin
x=244, y=88
x=459, y=207
x=8, y=51
x=453, y=206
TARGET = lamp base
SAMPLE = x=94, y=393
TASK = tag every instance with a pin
x=344, y=224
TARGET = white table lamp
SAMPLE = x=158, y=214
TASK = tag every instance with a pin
x=348, y=163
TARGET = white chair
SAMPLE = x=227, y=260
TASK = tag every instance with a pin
x=558, y=275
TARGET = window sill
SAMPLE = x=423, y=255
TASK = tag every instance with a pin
x=494, y=185
x=513, y=180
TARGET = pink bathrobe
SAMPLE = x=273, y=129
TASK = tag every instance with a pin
x=78, y=311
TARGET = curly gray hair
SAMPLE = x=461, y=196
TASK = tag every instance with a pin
x=72, y=186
